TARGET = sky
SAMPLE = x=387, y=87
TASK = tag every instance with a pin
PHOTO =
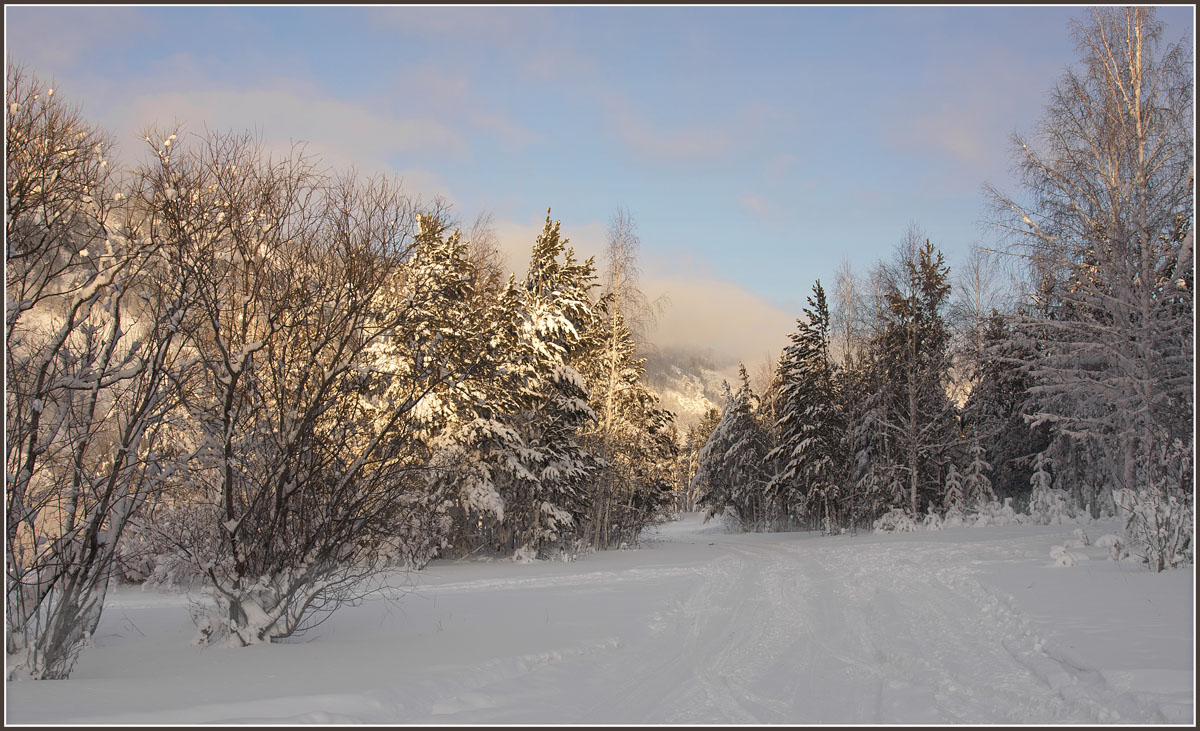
x=757, y=148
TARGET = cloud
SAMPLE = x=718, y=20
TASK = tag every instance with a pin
x=757, y=205
x=61, y=37
x=955, y=130
x=678, y=143
x=700, y=312
x=780, y=166
x=505, y=129
x=731, y=322
x=430, y=84
x=955, y=119
x=481, y=24
x=343, y=133
x=449, y=95
x=534, y=40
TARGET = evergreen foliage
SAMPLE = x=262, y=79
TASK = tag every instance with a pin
x=810, y=477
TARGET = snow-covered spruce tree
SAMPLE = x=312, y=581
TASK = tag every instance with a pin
x=1047, y=504
x=689, y=459
x=456, y=347
x=546, y=497
x=712, y=480
x=91, y=327
x=953, y=499
x=810, y=478
x=977, y=488
x=996, y=409
x=732, y=474
x=1107, y=223
x=912, y=355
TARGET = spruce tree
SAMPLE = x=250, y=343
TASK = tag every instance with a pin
x=953, y=499
x=810, y=477
x=977, y=488
x=732, y=474
x=689, y=458
x=996, y=409
x=915, y=409
x=554, y=323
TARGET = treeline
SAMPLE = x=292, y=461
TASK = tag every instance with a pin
x=916, y=398
x=244, y=372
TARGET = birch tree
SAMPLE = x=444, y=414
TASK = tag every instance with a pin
x=1106, y=220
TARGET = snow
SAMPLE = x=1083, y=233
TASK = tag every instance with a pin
x=959, y=625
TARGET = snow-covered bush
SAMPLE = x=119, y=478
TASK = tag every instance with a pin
x=156, y=550
x=1048, y=505
x=421, y=531
x=92, y=339
x=525, y=554
x=1158, y=528
x=1064, y=557
x=995, y=513
x=895, y=520
x=1116, y=547
x=954, y=518
x=731, y=519
x=1052, y=507
x=932, y=521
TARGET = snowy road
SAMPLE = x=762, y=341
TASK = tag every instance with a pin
x=956, y=626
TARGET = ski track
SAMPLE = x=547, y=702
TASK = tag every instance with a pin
x=779, y=631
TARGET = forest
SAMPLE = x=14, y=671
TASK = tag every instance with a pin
x=244, y=370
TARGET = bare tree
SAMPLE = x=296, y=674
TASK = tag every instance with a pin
x=487, y=260
x=92, y=323
x=845, y=318
x=979, y=290
x=307, y=454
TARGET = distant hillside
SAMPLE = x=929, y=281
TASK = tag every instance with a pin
x=688, y=383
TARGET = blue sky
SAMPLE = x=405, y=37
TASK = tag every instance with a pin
x=756, y=147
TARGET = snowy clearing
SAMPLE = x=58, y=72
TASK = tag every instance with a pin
x=964, y=625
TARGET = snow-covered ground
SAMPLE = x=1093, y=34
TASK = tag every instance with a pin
x=964, y=625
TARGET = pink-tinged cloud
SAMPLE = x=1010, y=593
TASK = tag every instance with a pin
x=669, y=143
x=781, y=166
x=951, y=129
x=513, y=134
x=757, y=205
